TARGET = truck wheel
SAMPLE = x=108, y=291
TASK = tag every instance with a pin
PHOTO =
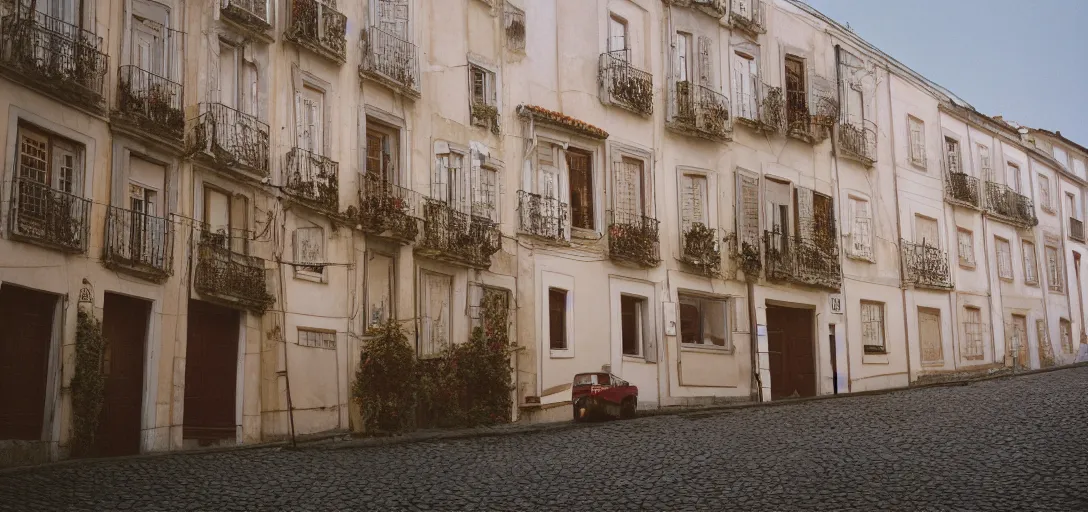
x=581, y=413
x=628, y=408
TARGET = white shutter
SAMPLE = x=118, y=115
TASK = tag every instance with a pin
x=748, y=208
x=706, y=78
x=687, y=202
x=649, y=335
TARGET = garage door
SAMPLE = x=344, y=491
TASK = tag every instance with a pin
x=26, y=331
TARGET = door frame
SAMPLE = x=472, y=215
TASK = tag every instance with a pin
x=771, y=303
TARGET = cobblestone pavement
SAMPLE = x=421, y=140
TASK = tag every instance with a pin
x=1007, y=444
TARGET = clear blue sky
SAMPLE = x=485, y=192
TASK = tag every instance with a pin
x=1025, y=60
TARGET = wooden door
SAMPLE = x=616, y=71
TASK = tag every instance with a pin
x=929, y=335
x=26, y=331
x=792, y=356
x=124, y=325
x=1018, y=342
x=211, y=367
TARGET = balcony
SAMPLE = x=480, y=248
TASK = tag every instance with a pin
x=457, y=237
x=763, y=111
x=702, y=250
x=390, y=61
x=229, y=139
x=251, y=15
x=624, y=85
x=857, y=141
x=810, y=116
x=150, y=103
x=386, y=210
x=795, y=259
x=229, y=276
x=514, y=27
x=317, y=26
x=540, y=216
x=1004, y=203
x=925, y=266
x=54, y=57
x=633, y=238
x=749, y=16
x=1076, y=229
x=701, y=111
x=139, y=243
x=745, y=255
x=961, y=189
x=312, y=179
x=713, y=8
x=48, y=217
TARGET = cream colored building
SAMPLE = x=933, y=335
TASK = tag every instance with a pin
x=714, y=200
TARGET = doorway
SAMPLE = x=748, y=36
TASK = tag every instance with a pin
x=124, y=325
x=26, y=333
x=211, y=369
x=790, y=342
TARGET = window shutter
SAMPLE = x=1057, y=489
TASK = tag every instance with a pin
x=741, y=321
x=805, y=214
x=649, y=335
x=705, y=71
x=687, y=202
x=300, y=130
x=438, y=180
x=747, y=209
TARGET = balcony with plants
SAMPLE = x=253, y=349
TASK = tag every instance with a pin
x=229, y=139
x=857, y=141
x=761, y=107
x=386, y=209
x=139, y=243
x=55, y=57
x=701, y=249
x=541, y=216
x=150, y=104
x=45, y=216
x=454, y=236
x=811, y=115
x=230, y=276
x=625, y=85
x=925, y=265
x=749, y=16
x=1006, y=204
x=312, y=179
x=700, y=111
x=811, y=261
x=391, y=61
x=317, y=26
x=634, y=238
x=250, y=15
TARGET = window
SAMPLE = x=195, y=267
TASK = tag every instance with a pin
x=1055, y=269
x=1044, y=193
x=1013, y=177
x=1004, y=258
x=381, y=153
x=392, y=16
x=557, y=319
x=436, y=295
x=150, y=42
x=693, y=202
x=485, y=188
x=1078, y=169
x=50, y=161
x=1065, y=329
x=580, y=167
x=703, y=321
x=965, y=239
x=986, y=170
x=617, y=38
x=631, y=323
x=310, y=120
x=929, y=336
x=1061, y=156
x=482, y=90
x=310, y=251
x=926, y=231
x=683, y=57
x=449, y=184
x=745, y=86
x=1074, y=208
x=777, y=204
x=747, y=214
x=972, y=329
x=234, y=84
x=1031, y=267
x=317, y=338
x=861, y=234
x=226, y=219
x=630, y=173
x=918, y=142
x=952, y=155
x=797, y=111
x=872, y=327
x=380, y=288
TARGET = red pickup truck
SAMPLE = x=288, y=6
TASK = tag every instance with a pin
x=601, y=395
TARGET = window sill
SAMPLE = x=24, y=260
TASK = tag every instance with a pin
x=1057, y=291
x=858, y=257
x=968, y=266
x=628, y=358
x=931, y=364
x=704, y=349
x=1033, y=284
x=919, y=167
x=585, y=234
x=307, y=276
x=875, y=359
x=1006, y=279
x=562, y=354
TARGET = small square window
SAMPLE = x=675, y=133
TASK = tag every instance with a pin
x=704, y=321
x=966, y=241
x=872, y=327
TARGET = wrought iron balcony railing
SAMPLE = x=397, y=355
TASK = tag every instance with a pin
x=230, y=138
x=453, y=235
x=960, y=188
x=514, y=27
x=749, y=15
x=772, y=108
x=634, y=238
x=46, y=216
x=701, y=111
x=1076, y=229
x=53, y=56
x=139, y=243
x=251, y=14
x=624, y=85
x=1005, y=203
x=702, y=249
x=151, y=102
x=858, y=141
x=230, y=276
x=813, y=262
x=317, y=26
x=542, y=216
x=313, y=179
x=713, y=8
x=925, y=265
x=745, y=255
x=387, y=209
x=390, y=60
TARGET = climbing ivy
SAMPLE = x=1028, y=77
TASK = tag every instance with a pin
x=385, y=381
x=88, y=383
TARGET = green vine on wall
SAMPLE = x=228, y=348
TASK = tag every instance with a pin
x=88, y=384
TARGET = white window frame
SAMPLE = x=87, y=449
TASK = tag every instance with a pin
x=641, y=313
x=1045, y=198
x=548, y=281
x=985, y=164
x=1004, y=261
x=709, y=208
x=1055, y=269
x=968, y=350
x=857, y=232
x=684, y=67
x=917, y=141
x=969, y=261
x=1031, y=262
x=646, y=190
x=311, y=337
x=700, y=301
x=868, y=339
x=308, y=272
x=445, y=182
x=619, y=23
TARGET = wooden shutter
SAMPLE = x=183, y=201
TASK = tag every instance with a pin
x=706, y=75
x=926, y=230
x=649, y=335
x=747, y=213
x=693, y=201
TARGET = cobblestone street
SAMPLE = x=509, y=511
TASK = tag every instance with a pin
x=1006, y=444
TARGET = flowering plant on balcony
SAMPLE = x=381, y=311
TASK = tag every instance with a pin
x=701, y=249
x=634, y=91
x=636, y=243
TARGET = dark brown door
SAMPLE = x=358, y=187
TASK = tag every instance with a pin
x=124, y=325
x=792, y=356
x=26, y=332
x=211, y=365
